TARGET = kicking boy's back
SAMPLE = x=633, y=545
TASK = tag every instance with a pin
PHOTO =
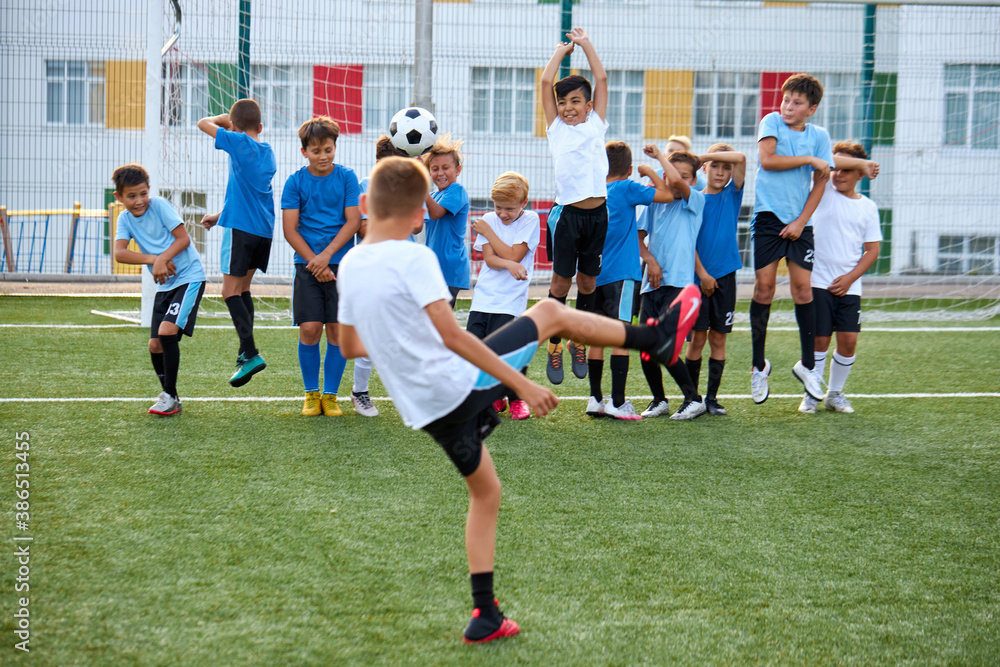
x=249, y=201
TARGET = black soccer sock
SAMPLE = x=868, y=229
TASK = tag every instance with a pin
x=619, y=374
x=805, y=315
x=654, y=378
x=171, y=362
x=694, y=370
x=482, y=590
x=639, y=337
x=759, y=315
x=243, y=324
x=595, y=368
x=561, y=299
x=715, y=368
x=679, y=372
x=248, y=302
x=157, y=359
x=586, y=302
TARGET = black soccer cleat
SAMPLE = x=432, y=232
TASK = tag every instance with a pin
x=488, y=624
x=673, y=326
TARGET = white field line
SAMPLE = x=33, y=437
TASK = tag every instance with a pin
x=280, y=399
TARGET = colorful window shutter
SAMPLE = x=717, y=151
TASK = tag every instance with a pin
x=337, y=94
x=669, y=98
x=221, y=87
x=125, y=94
x=770, y=91
x=884, y=130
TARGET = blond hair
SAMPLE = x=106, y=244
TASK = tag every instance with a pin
x=397, y=187
x=510, y=186
x=444, y=146
x=682, y=139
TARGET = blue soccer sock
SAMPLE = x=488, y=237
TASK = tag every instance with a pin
x=333, y=369
x=309, y=363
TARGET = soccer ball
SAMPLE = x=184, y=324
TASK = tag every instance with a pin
x=413, y=130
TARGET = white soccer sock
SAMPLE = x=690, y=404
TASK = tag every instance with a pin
x=839, y=370
x=362, y=373
x=819, y=358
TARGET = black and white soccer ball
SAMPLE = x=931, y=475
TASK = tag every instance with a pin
x=413, y=130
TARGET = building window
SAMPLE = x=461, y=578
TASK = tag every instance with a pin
x=191, y=205
x=386, y=90
x=726, y=104
x=840, y=110
x=284, y=93
x=184, y=95
x=968, y=255
x=625, y=91
x=74, y=93
x=972, y=105
x=503, y=100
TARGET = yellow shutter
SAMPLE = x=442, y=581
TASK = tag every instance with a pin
x=669, y=96
x=125, y=96
x=539, y=109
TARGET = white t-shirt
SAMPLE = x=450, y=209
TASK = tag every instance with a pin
x=580, y=159
x=383, y=289
x=497, y=291
x=841, y=227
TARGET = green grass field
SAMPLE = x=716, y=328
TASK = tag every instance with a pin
x=242, y=533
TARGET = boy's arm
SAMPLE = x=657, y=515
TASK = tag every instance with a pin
x=736, y=158
x=793, y=230
x=600, y=97
x=870, y=168
x=476, y=352
x=549, y=77
x=771, y=162
x=673, y=177
x=653, y=271
x=210, y=125
x=346, y=233
x=500, y=264
x=434, y=209
x=350, y=343
x=841, y=284
x=708, y=283
x=163, y=265
x=210, y=220
x=290, y=226
x=514, y=253
x=664, y=195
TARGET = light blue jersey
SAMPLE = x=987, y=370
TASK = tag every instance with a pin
x=672, y=231
x=321, y=201
x=446, y=235
x=153, y=233
x=249, y=202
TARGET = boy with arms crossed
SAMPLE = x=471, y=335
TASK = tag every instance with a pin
x=672, y=230
x=575, y=125
x=247, y=219
x=717, y=258
x=507, y=237
x=164, y=245
x=394, y=308
x=620, y=272
x=848, y=237
x=795, y=163
x=447, y=220
x=319, y=217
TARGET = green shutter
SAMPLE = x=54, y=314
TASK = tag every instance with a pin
x=221, y=87
x=884, y=130
x=884, y=262
x=109, y=199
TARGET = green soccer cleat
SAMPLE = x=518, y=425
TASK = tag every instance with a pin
x=246, y=369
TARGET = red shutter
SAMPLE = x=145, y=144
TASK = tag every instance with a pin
x=770, y=91
x=337, y=94
x=542, y=259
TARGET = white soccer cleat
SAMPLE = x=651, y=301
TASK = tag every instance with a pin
x=595, y=408
x=689, y=410
x=808, y=405
x=810, y=379
x=656, y=409
x=759, y=388
x=624, y=411
x=363, y=404
x=166, y=405
x=835, y=401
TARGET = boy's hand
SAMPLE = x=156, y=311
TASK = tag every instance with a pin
x=871, y=169
x=480, y=226
x=793, y=230
x=163, y=270
x=518, y=271
x=563, y=49
x=326, y=275
x=708, y=285
x=652, y=150
x=317, y=264
x=822, y=167
x=210, y=220
x=840, y=285
x=540, y=399
x=578, y=36
x=653, y=272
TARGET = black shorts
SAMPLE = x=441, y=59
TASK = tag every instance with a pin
x=243, y=252
x=313, y=301
x=836, y=313
x=178, y=306
x=655, y=302
x=461, y=432
x=482, y=325
x=454, y=296
x=717, y=311
x=578, y=240
x=615, y=299
x=769, y=246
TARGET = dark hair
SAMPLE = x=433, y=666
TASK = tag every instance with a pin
x=805, y=84
x=318, y=129
x=245, y=115
x=385, y=148
x=683, y=157
x=851, y=148
x=129, y=175
x=563, y=87
x=397, y=186
x=619, y=158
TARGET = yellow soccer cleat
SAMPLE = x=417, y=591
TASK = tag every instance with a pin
x=330, y=406
x=311, y=407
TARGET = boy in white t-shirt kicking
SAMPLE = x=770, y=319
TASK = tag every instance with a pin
x=847, y=239
x=507, y=238
x=394, y=307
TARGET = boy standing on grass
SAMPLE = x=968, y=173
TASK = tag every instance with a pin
x=507, y=237
x=448, y=214
x=575, y=124
x=795, y=163
x=620, y=272
x=671, y=230
x=394, y=307
x=164, y=245
x=848, y=238
x=247, y=219
x=717, y=259
x=319, y=217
